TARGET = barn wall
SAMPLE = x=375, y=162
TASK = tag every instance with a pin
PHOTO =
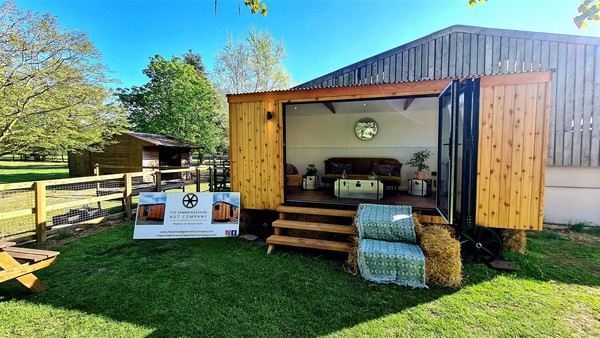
x=513, y=124
x=126, y=151
x=572, y=195
x=574, y=120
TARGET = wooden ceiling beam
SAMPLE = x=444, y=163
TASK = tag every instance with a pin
x=329, y=106
x=408, y=102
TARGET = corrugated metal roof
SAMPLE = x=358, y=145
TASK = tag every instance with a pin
x=162, y=140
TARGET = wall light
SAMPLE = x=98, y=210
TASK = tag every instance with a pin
x=269, y=115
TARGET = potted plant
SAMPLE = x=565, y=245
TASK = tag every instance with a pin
x=310, y=178
x=418, y=162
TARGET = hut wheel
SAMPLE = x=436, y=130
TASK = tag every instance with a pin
x=480, y=244
x=233, y=219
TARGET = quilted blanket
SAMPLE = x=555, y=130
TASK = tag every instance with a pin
x=392, y=223
x=387, y=252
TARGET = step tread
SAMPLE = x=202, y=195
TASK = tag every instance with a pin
x=313, y=226
x=317, y=211
x=309, y=243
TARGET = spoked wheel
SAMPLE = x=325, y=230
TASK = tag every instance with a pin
x=480, y=244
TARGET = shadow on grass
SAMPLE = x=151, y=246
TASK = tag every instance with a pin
x=213, y=287
x=230, y=287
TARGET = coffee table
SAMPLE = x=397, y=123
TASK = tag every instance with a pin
x=361, y=189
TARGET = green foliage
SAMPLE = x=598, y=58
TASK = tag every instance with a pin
x=256, y=6
x=252, y=64
x=589, y=10
x=52, y=88
x=578, y=226
x=177, y=101
x=418, y=160
x=311, y=170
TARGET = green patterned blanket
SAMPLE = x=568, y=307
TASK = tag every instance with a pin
x=386, y=251
x=392, y=223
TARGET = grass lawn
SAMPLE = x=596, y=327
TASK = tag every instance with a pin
x=21, y=171
x=108, y=285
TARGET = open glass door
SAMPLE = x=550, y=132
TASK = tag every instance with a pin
x=445, y=182
x=457, y=151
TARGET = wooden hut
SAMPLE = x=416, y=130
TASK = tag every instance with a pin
x=132, y=152
x=497, y=108
x=154, y=212
x=224, y=212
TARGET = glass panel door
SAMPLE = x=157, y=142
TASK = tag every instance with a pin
x=445, y=182
x=457, y=151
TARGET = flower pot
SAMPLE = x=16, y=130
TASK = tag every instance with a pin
x=309, y=182
x=421, y=175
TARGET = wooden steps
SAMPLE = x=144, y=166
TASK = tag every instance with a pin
x=309, y=243
x=316, y=211
x=282, y=224
x=310, y=226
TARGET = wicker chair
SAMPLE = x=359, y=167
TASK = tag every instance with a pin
x=292, y=175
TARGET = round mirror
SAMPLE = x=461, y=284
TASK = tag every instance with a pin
x=365, y=128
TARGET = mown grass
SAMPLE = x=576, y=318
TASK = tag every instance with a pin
x=109, y=285
x=21, y=171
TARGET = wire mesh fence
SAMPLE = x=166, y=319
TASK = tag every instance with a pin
x=16, y=212
x=26, y=209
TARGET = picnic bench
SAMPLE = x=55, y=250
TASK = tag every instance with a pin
x=19, y=263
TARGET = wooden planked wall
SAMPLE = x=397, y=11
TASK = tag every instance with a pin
x=513, y=134
x=457, y=51
x=256, y=153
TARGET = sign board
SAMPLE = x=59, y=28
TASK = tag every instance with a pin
x=187, y=215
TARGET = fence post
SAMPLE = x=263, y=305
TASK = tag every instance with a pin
x=97, y=169
x=198, y=172
x=158, y=179
x=127, y=195
x=40, y=211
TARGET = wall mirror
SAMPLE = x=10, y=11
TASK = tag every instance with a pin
x=365, y=128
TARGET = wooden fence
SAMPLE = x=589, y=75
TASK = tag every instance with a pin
x=460, y=51
x=30, y=207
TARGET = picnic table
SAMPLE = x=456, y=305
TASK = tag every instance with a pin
x=19, y=263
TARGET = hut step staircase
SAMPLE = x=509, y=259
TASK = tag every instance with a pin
x=280, y=226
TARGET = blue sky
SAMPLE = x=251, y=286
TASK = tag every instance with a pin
x=320, y=36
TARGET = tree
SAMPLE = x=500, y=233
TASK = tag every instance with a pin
x=195, y=60
x=52, y=94
x=255, y=6
x=252, y=64
x=589, y=10
x=177, y=101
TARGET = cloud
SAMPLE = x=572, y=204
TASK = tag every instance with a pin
x=153, y=198
x=231, y=198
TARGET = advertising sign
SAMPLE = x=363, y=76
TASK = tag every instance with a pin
x=187, y=215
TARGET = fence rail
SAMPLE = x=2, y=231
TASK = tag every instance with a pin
x=33, y=210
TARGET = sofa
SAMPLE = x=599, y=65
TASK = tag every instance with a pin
x=358, y=168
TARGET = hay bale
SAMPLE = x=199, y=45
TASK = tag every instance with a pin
x=514, y=240
x=353, y=256
x=418, y=225
x=443, y=263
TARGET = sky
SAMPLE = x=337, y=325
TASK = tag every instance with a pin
x=320, y=36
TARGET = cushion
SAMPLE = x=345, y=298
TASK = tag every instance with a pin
x=338, y=168
x=385, y=169
x=289, y=169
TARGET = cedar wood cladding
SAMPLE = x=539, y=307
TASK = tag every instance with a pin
x=513, y=124
x=458, y=51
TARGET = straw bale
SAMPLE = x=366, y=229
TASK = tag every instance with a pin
x=353, y=256
x=418, y=225
x=514, y=240
x=443, y=263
